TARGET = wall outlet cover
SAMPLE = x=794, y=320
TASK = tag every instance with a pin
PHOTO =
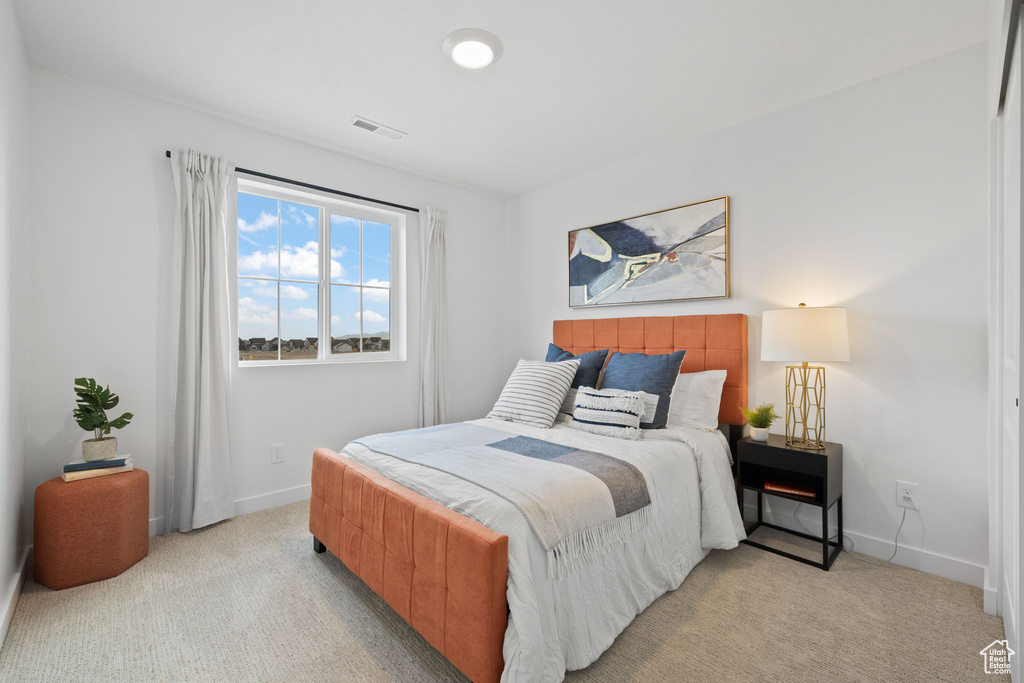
x=908, y=495
x=276, y=453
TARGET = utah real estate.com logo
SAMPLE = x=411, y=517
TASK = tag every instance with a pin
x=997, y=657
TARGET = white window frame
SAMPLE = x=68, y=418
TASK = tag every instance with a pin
x=326, y=204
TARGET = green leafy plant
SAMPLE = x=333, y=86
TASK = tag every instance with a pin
x=93, y=403
x=760, y=417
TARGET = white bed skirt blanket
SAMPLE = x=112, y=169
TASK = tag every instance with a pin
x=562, y=624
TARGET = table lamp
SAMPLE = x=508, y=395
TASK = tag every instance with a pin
x=805, y=334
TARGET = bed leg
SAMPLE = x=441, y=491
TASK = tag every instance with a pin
x=318, y=547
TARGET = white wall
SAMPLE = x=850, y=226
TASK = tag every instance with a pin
x=873, y=198
x=103, y=214
x=14, y=341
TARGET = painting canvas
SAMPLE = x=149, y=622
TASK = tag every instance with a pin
x=671, y=255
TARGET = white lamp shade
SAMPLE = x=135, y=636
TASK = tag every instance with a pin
x=805, y=334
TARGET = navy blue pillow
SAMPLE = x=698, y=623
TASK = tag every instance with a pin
x=590, y=365
x=640, y=372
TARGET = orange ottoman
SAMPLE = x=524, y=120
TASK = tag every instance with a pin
x=90, y=529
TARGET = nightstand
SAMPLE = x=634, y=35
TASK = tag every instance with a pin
x=808, y=476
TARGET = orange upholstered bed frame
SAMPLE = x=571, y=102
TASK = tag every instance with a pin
x=711, y=342
x=446, y=574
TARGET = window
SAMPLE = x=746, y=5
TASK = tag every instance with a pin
x=316, y=278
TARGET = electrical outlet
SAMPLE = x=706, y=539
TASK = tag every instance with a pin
x=276, y=453
x=907, y=495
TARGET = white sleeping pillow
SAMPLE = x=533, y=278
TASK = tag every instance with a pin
x=534, y=392
x=696, y=398
x=569, y=402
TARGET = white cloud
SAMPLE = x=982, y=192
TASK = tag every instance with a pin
x=379, y=295
x=340, y=251
x=335, y=319
x=265, y=221
x=269, y=289
x=301, y=263
x=257, y=261
x=300, y=216
x=251, y=312
x=371, y=317
x=299, y=314
x=293, y=292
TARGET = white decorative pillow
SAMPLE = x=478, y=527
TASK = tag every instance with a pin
x=609, y=412
x=650, y=403
x=696, y=398
x=534, y=392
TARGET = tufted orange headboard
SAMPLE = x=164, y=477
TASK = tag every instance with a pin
x=712, y=342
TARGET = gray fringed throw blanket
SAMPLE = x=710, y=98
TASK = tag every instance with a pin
x=576, y=501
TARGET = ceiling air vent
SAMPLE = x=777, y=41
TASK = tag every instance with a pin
x=379, y=129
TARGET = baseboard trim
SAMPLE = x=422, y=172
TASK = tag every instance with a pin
x=991, y=595
x=925, y=561
x=244, y=506
x=10, y=602
x=274, y=499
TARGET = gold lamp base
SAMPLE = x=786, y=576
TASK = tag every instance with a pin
x=805, y=406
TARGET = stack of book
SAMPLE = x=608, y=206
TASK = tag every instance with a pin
x=80, y=469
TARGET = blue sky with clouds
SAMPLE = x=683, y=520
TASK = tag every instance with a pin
x=299, y=260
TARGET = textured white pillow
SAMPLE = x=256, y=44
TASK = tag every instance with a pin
x=696, y=398
x=650, y=402
x=534, y=392
x=609, y=412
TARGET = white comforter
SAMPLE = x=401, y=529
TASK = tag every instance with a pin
x=557, y=625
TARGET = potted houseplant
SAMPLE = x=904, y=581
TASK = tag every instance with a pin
x=91, y=415
x=760, y=419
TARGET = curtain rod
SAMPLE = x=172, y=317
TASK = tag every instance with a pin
x=246, y=171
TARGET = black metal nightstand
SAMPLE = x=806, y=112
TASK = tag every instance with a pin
x=808, y=476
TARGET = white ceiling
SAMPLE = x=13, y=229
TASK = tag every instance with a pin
x=582, y=83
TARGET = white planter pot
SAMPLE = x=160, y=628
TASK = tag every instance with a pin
x=99, y=449
x=759, y=433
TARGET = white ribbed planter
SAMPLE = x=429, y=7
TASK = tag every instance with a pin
x=99, y=449
x=759, y=433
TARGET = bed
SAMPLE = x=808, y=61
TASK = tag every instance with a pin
x=461, y=565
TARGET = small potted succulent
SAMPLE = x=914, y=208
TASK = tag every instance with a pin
x=760, y=420
x=91, y=415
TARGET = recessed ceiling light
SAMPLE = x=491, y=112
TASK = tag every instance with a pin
x=472, y=48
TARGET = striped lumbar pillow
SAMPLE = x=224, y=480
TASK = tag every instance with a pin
x=534, y=392
x=609, y=412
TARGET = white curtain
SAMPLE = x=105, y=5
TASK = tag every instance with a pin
x=199, y=482
x=433, y=318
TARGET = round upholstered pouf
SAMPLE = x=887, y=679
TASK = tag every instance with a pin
x=90, y=529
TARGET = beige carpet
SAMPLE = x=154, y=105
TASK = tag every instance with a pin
x=248, y=600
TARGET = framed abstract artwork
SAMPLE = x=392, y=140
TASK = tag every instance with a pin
x=677, y=254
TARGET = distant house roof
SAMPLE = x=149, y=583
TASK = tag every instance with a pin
x=258, y=340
